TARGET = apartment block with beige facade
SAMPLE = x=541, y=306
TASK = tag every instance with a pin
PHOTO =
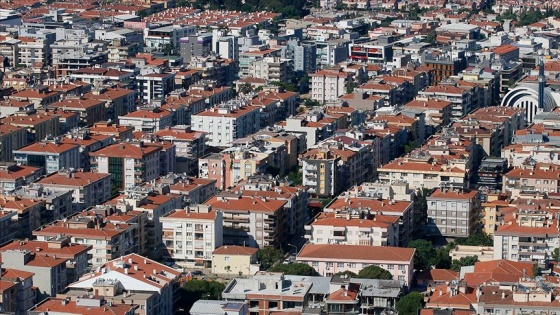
x=250, y=221
x=536, y=177
x=192, y=234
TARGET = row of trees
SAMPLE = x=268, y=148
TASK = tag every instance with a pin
x=529, y=16
x=288, y=8
x=428, y=256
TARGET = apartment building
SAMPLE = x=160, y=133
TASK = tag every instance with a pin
x=118, y=101
x=330, y=259
x=315, y=125
x=464, y=99
x=353, y=229
x=192, y=234
x=190, y=146
x=272, y=69
x=80, y=306
x=193, y=189
x=28, y=214
x=250, y=221
x=155, y=86
x=116, y=131
x=227, y=122
x=131, y=279
x=13, y=176
x=453, y=213
x=328, y=85
x=18, y=294
x=238, y=163
x=40, y=96
x=535, y=177
x=39, y=126
x=90, y=110
x=49, y=272
x=61, y=247
x=149, y=119
x=129, y=164
x=49, y=155
x=11, y=138
x=88, y=189
x=335, y=166
x=296, y=209
x=87, y=142
x=384, y=210
x=531, y=235
x=108, y=240
x=437, y=112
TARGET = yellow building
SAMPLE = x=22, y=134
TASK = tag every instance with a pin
x=491, y=211
x=235, y=260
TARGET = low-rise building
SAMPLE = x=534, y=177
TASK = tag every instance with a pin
x=191, y=235
x=328, y=259
x=132, y=279
x=235, y=260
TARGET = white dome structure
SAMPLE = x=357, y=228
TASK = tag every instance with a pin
x=527, y=96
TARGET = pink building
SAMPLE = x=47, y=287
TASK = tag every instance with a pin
x=328, y=259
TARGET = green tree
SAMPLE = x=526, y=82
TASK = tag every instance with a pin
x=462, y=262
x=431, y=37
x=556, y=254
x=478, y=239
x=245, y=88
x=268, y=256
x=374, y=272
x=296, y=177
x=425, y=254
x=411, y=145
x=347, y=273
x=195, y=290
x=351, y=86
x=410, y=303
x=311, y=103
x=296, y=269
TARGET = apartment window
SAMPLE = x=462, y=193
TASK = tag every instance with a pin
x=353, y=265
x=226, y=258
x=340, y=265
x=538, y=181
x=401, y=278
x=402, y=267
x=330, y=264
x=390, y=266
x=315, y=264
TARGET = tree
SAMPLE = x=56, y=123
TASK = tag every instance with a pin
x=555, y=254
x=374, y=272
x=347, y=273
x=351, y=86
x=462, y=262
x=411, y=145
x=425, y=253
x=311, y=103
x=195, y=290
x=296, y=177
x=431, y=37
x=478, y=239
x=410, y=303
x=296, y=269
x=245, y=88
x=268, y=256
